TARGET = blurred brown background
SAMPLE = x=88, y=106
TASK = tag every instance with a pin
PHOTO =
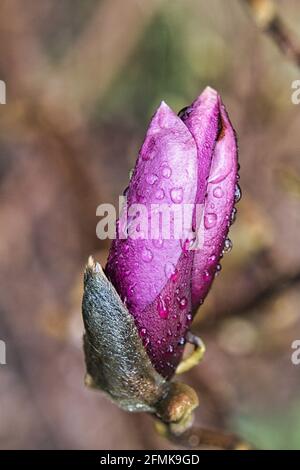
x=83, y=78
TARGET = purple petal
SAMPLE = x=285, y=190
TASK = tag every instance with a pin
x=154, y=277
x=219, y=192
x=202, y=118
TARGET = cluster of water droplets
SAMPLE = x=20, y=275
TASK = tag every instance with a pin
x=174, y=307
x=175, y=193
x=166, y=307
x=210, y=221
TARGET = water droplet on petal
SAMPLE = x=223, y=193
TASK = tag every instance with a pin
x=237, y=194
x=218, y=269
x=147, y=255
x=151, y=178
x=171, y=271
x=183, y=303
x=181, y=341
x=162, y=308
x=166, y=172
x=210, y=220
x=170, y=349
x=212, y=259
x=227, y=246
x=206, y=275
x=218, y=192
x=160, y=194
x=143, y=332
x=233, y=215
x=158, y=243
x=176, y=195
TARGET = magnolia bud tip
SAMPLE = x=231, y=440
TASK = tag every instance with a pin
x=93, y=266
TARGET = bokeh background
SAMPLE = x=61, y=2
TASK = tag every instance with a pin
x=83, y=79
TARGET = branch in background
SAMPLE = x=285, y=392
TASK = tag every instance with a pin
x=268, y=19
x=199, y=438
x=275, y=287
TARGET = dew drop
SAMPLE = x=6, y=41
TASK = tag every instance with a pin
x=210, y=220
x=218, y=192
x=176, y=195
x=160, y=194
x=151, y=179
x=181, y=341
x=212, y=259
x=206, y=275
x=218, y=269
x=183, y=303
x=189, y=317
x=233, y=215
x=147, y=255
x=146, y=341
x=166, y=172
x=237, y=194
x=162, y=308
x=143, y=332
x=158, y=243
x=227, y=246
x=170, y=270
x=170, y=349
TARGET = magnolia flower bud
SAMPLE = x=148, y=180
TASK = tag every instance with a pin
x=137, y=315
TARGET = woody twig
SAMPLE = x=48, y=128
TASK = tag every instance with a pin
x=269, y=20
